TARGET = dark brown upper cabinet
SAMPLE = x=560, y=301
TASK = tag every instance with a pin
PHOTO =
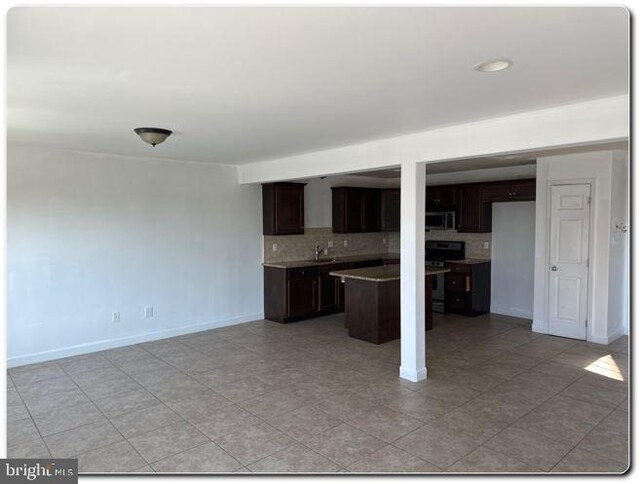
x=283, y=208
x=355, y=209
x=509, y=191
x=440, y=197
x=371, y=210
x=390, y=210
x=473, y=215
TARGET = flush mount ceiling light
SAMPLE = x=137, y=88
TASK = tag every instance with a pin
x=495, y=65
x=153, y=136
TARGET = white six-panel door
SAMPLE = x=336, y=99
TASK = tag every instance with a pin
x=569, y=260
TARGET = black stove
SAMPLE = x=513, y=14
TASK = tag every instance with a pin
x=439, y=251
x=436, y=253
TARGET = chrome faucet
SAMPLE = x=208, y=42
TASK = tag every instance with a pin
x=319, y=252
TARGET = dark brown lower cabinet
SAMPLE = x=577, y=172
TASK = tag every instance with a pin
x=305, y=292
x=373, y=313
x=331, y=289
x=467, y=288
x=302, y=296
x=373, y=309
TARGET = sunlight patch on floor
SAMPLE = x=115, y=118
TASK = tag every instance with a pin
x=606, y=366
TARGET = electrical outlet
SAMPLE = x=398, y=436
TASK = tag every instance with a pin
x=274, y=247
x=330, y=244
x=148, y=312
x=346, y=243
x=384, y=241
x=486, y=245
x=115, y=317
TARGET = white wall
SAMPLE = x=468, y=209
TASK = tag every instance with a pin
x=594, y=167
x=619, y=246
x=91, y=234
x=513, y=258
x=561, y=127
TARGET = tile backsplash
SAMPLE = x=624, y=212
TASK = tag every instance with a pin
x=301, y=247
x=474, y=243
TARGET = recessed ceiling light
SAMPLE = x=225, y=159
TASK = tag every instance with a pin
x=495, y=65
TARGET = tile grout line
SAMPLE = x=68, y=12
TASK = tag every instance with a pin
x=106, y=418
x=594, y=427
x=524, y=415
x=364, y=355
x=30, y=415
x=188, y=422
x=491, y=389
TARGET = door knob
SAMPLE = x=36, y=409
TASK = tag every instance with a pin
x=554, y=268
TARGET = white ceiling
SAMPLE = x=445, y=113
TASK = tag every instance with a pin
x=246, y=84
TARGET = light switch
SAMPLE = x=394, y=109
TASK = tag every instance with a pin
x=274, y=247
x=486, y=245
x=330, y=244
x=346, y=243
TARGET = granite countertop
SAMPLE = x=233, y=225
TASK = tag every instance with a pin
x=469, y=261
x=381, y=273
x=328, y=261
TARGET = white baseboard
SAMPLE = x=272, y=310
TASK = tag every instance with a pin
x=540, y=326
x=605, y=340
x=128, y=340
x=513, y=312
x=413, y=375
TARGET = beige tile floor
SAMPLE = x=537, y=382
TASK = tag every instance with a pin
x=304, y=397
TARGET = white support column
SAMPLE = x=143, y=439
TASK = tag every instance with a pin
x=412, y=304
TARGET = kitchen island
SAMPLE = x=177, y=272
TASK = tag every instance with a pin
x=372, y=301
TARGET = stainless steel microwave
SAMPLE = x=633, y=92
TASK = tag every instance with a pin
x=445, y=220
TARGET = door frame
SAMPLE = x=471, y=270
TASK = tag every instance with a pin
x=590, y=273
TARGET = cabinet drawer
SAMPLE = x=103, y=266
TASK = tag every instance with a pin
x=458, y=268
x=456, y=301
x=302, y=272
x=457, y=282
